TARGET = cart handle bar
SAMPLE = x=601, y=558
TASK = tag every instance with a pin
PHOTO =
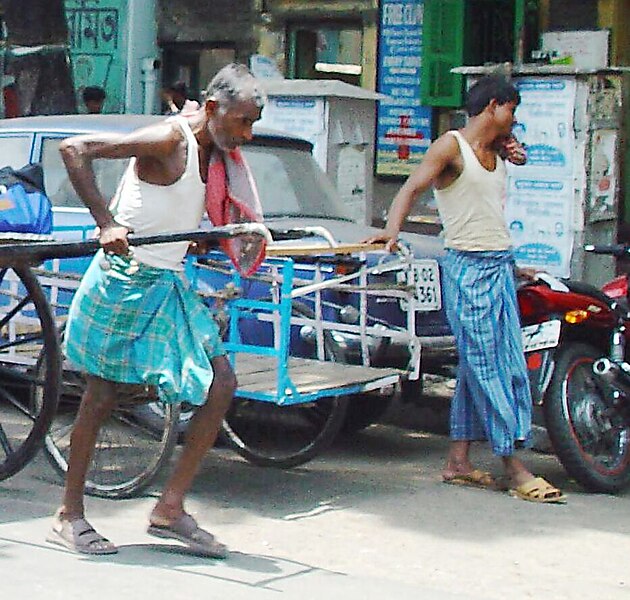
x=38, y=251
x=611, y=249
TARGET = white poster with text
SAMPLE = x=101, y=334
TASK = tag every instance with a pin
x=540, y=200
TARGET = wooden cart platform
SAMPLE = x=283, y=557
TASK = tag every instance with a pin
x=257, y=378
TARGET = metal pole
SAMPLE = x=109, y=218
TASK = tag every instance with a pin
x=3, y=49
x=33, y=252
x=519, y=32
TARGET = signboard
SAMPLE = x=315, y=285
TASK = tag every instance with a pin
x=540, y=200
x=585, y=49
x=264, y=67
x=301, y=116
x=403, y=124
x=95, y=32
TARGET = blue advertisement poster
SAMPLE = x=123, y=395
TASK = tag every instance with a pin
x=403, y=124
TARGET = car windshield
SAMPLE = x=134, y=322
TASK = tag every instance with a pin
x=291, y=184
x=58, y=187
x=15, y=151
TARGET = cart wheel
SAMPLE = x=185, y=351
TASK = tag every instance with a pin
x=365, y=410
x=128, y=455
x=270, y=435
x=30, y=386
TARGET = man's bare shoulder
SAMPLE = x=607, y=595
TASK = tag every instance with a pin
x=443, y=151
x=446, y=144
x=447, y=158
x=167, y=131
x=158, y=140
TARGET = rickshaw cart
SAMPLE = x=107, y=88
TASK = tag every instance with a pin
x=290, y=402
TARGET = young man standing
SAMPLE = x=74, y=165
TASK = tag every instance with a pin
x=133, y=320
x=492, y=398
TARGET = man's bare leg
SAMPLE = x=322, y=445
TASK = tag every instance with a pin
x=99, y=399
x=70, y=528
x=458, y=463
x=458, y=460
x=516, y=471
x=200, y=437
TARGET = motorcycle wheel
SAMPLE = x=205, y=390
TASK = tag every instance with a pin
x=591, y=440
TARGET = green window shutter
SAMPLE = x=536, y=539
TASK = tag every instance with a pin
x=443, y=49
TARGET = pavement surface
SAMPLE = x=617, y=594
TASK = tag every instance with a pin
x=368, y=519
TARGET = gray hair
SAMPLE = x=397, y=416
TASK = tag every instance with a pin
x=235, y=83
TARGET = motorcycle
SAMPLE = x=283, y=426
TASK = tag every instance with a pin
x=574, y=338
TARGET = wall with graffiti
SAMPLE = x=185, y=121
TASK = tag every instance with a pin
x=97, y=48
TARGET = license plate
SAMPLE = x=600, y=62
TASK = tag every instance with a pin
x=541, y=335
x=424, y=276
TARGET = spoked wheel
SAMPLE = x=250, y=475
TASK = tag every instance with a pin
x=590, y=437
x=128, y=454
x=270, y=435
x=152, y=415
x=29, y=386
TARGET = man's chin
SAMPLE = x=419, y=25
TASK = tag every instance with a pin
x=227, y=147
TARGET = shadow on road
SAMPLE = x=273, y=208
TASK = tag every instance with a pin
x=386, y=471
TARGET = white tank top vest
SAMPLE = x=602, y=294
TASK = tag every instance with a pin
x=149, y=209
x=472, y=207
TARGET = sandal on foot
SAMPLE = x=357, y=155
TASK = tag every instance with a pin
x=476, y=478
x=79, y=536
x=539, y=490
x=186, y=530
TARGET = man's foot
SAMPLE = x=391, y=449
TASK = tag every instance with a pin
x=473, y=478
x=538, y=489
x=186, y=530
x=79, y=536
x=517, y=475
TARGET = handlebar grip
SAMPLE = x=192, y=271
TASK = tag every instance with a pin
x=610, y=249
x=282, y=235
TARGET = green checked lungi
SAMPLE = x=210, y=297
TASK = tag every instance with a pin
x=131, y=323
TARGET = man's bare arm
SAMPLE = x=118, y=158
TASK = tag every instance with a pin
x=440, y=155
x=157, y=143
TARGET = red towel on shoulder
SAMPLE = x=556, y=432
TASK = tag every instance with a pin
x=232, y=197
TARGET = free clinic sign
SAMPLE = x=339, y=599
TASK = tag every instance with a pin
x=403, y=124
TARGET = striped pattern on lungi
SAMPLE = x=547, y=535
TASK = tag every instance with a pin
x=492, y=398
x=132, y=323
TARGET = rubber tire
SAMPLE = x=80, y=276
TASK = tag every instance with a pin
x=364, y=410
x=47, y=369
x=123, y=418
x=332, y=409
x=564, y=437
x=151, y=415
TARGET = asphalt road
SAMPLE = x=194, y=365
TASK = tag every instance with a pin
x=369, y=519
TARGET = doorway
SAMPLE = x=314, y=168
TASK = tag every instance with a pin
x=326, y=50
x=194, y=65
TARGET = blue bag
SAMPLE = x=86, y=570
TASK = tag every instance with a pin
x=24, y=205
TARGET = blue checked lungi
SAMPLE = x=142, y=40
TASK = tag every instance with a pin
x=492, y=399
x=132, y=323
